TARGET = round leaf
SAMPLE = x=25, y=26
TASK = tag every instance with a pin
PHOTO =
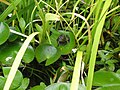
x=66, y=49
x=106, y=78
x=10, y=52
x=53, y=58
x=62, y=86
x=4, y=32
x=29, y=54
x=64, y=40
x=17, y=80
x=113, y=87
x=38, y=87
x=45, y=51
x=2, y=82
x=24, y=85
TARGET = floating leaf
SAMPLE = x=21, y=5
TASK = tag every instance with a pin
x=17, y=80
x=17, y=61
x=107, y=80
x=25, y=83
x=53, y=58
x=66, y=49
x=64, y=40
x=37, y=87
x=29, y=54
x=4, y=32
x=42, y=86
x=62, y=86
x=10, y=51
x=45, y=51
x=2, y=82
x=113, y=87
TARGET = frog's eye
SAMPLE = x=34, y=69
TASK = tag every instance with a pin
x=63, y=39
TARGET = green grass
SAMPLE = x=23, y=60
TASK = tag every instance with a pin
x=94, y=49
x=93, y=24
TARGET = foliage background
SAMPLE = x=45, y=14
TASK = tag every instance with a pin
x=65, y=28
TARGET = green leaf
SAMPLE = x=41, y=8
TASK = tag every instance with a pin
x=4, y=32
x=9, y=9
x=40, y=30
x=37, y=87
x=54, y=37
x=107, y=80
x=53, y=58
x=45, y=51
x=118, y=72
x=17, y=61
x=13, y=36
x=96, y=32
x=113, y=87
x=52, y=17
x=29, y=54
x=17, y=80
x=62, y=86
x=58, y=86
x=66, y=49
x=42, y=86
x=25, y=83
x=22, y=24
x=10, y=51
x=64, y=40
x=76, y=73
x=2, y=82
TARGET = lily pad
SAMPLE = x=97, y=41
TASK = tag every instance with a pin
x=4, y=32
x=17, y=80
x=39, y=87
x=18, y=83
x=106, y=80
x=29, y=54
x=56, y=86
x=2, y=82
x=45, y=51
x=24, y=85
x=62, y=86
x=113, y=87
x=53, y=58
x=64, y=40
x=8, y=52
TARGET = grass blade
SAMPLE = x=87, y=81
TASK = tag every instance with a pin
x=17, y=61
x=76, y=73
x=9, y=9
x=96, y=43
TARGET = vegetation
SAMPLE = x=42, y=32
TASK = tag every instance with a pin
x=59, y=45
